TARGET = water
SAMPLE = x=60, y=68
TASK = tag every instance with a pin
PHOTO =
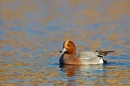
x=32, y=34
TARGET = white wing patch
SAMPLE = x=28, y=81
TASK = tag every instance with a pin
x=87, y=58
x=101, y=61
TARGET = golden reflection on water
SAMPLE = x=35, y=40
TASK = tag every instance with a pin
x=32, y=33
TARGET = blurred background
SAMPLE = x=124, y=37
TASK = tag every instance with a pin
x=31, y=31
x=92, y=24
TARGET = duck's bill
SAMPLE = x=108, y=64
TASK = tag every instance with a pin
x=62, y=51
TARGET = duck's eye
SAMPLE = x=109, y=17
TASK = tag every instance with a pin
x=68, y=45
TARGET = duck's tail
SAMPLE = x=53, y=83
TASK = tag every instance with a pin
x=103, y=53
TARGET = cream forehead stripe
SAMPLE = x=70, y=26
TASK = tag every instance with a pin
x=66, y=43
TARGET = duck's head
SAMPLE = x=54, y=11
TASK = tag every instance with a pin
x=69, y=47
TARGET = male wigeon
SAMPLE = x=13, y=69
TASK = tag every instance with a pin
x=71, y=56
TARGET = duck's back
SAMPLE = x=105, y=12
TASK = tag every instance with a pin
x=89, y=57
x=86, y=54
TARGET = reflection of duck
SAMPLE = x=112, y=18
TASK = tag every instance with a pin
x=71, y=56
x=77, y=72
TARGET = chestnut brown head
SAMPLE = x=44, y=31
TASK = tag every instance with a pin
x=69, y=47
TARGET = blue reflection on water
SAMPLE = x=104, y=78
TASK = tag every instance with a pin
x=94, y=26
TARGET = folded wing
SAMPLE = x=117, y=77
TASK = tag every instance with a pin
x=92, y=54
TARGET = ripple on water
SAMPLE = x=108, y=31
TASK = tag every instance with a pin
x=32, y=33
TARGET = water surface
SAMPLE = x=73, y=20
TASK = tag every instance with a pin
x=32, y=33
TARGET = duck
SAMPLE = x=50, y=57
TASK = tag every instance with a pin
x=71, y=56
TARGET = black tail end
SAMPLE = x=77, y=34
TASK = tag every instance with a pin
x=104, y=61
